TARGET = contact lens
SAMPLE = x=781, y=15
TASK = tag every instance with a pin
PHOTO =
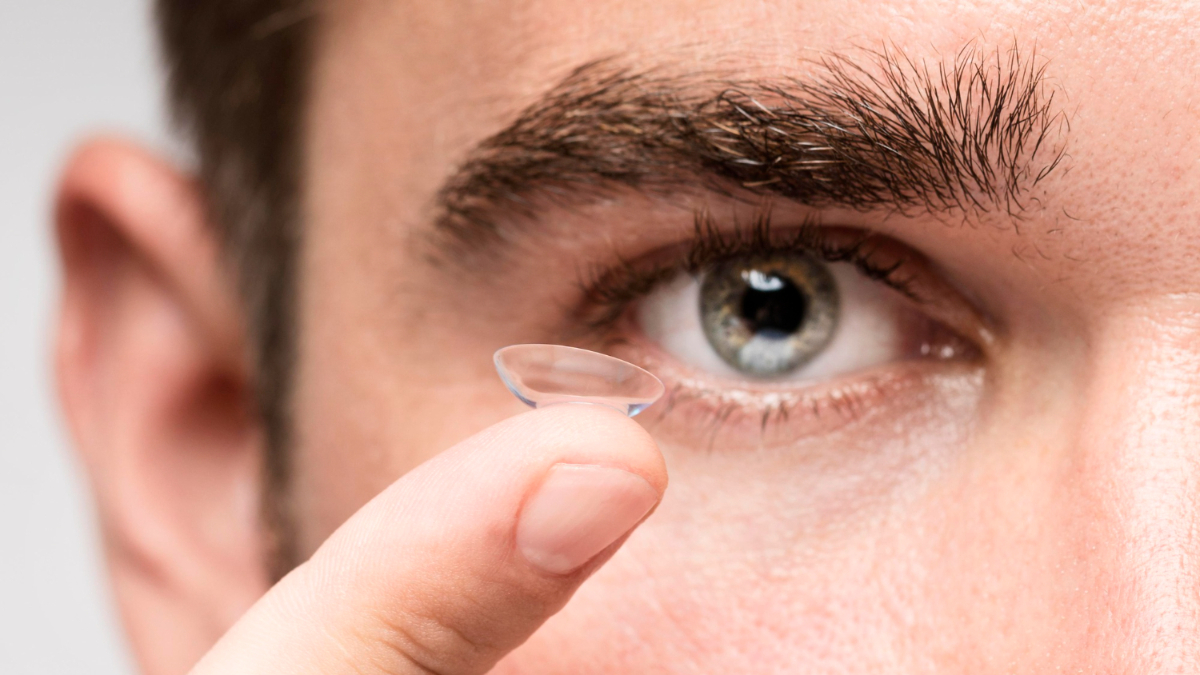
x=543, y=375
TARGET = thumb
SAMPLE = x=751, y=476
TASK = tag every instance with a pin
x=462, y=559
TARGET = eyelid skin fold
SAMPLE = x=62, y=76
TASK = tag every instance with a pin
x=608, y=292
x=747, y=412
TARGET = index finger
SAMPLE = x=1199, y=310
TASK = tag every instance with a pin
x=461, y=560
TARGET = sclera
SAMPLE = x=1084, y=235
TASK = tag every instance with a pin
x=543, y=375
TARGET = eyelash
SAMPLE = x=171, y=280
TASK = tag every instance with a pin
x=609, y=292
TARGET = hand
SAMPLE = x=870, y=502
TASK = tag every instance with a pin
x=461, y=560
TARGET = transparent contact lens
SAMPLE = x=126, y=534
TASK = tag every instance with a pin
x=542, y=375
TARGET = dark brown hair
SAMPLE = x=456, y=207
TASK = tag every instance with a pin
x=237, y=84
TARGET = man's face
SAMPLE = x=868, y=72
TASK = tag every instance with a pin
x=997, y=470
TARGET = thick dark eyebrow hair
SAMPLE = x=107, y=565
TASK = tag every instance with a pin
x=872, y=130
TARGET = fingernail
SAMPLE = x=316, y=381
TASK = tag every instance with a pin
x=578, y=512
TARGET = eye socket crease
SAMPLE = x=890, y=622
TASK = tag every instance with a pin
x=975, y=134
x=937, y=331
x=608, y=290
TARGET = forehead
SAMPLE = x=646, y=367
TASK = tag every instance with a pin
x=405, y=90
x=460, y=48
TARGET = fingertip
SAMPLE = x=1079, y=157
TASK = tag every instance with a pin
x=585, y=433
x=578, y=511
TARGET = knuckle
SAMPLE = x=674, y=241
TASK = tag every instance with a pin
x=449, y=638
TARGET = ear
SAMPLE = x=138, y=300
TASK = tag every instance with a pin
x=155, y=383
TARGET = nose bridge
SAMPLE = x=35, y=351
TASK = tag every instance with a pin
x=1139, y=469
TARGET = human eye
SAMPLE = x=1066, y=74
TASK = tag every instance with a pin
x=762, y=323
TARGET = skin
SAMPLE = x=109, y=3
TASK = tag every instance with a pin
x=1033, y=510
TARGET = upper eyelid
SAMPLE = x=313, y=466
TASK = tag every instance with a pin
x=608, y=291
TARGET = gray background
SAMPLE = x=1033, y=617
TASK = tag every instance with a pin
x=67, y=68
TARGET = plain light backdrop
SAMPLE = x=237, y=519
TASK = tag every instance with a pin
x=67, y=68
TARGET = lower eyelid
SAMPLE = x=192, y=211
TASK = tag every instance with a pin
x=738, y=416
x=737, y=419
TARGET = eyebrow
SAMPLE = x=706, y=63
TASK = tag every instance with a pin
x=870, y=130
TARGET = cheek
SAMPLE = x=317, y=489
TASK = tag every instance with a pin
x=802, y=558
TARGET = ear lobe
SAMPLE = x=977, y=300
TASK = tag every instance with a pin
x=156, y=387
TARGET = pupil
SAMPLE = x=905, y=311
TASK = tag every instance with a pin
x=772, y=304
